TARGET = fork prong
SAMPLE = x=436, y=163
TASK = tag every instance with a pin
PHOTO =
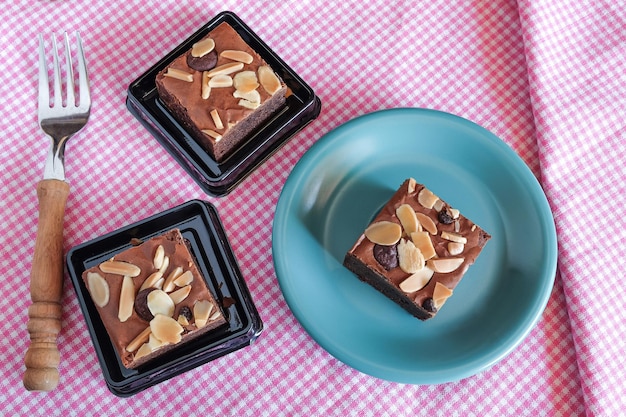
x=44, y=87
x=84, y=97
x=71, y=100
x=58, y=97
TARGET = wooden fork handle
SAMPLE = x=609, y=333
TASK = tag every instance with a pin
x=46, y=289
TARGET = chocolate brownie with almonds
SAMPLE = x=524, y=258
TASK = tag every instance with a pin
x=221, y=90
x=152, y=298
x=416, y=250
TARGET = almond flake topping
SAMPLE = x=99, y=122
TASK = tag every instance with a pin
x=407, y=218
x=384, y=233
x=269, y=80
x=215, y=135
x=202, y=47
x=445, y=265
x=226, y=69
x=120, y=268
x=426, y=198
x=179, y=75
x=410, y=257
x=127, y=299
x=98, y=288
x=417, y=281
x=245, y=81
x=221, y=81
x=239, y=56
x=427, y=223
x=216, y=119
x=206, y=89
x=166, y=329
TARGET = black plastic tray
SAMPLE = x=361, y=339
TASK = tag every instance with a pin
x=218, y=179
x=199, y=223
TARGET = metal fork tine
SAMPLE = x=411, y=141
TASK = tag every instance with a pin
x=83, y=79
x=58, y=98
x=71, y=100
x=44, y=88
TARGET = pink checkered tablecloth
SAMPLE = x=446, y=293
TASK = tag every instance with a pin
x=546, y=76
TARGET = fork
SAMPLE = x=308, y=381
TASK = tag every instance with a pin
x=59, y=121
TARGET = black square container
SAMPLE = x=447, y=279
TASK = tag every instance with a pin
x=218, y=179
x=200, y=225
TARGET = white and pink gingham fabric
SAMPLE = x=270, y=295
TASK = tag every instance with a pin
x=546, y=76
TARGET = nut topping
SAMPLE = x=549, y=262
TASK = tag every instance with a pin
x=220, y=81
x=201, y=311
x=384, y=233
x=120, y=268
x=98, y=288
x=269, y=80
x=445, y=265
x=423, y=242
x=455, y=248
x=453, y=237
x=206, y=90
x=159, y=255
x=426, y=198
x=152, y=281
x=180, y=294
x=127, y=299
x=239, y=56
x=202, y=47
x=139, y=340
x=185, y=278
x=166, y=329
x=245, y=81
x=168, y=285
x=408, y=219
x=216, y=119
x=179, y=75
x=410, y=258
x=440, y=294
x=226, y=69
x=427, y=223
x=160, y=303
x=417, y=281
x=215, y=135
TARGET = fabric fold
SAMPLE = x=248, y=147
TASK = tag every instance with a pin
x=576, y=57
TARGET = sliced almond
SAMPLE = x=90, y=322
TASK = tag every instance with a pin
x=439, y=205
x=215, y=135
x=427, y=223
x=201, y=312
x=217, y=119
x=455, y=248
x=202, y=47
x=426, y=198
x=151, y=281
x=411, y=186
x=453, y=237
x=454, y=213
x=98, y=288
x=179, y=75
x=166, y=329
x=410, y=258
x=221, y=81
x=235, y=55
x=445, y=265
x=180, y=294
x=384, y=233
x=120, y=268
x=143, y=351
x=252, y=96
x=164, y=265
x=245, y=81
x=269, y=80
x=216, y=314
x=185, y=278
x=417, y=281
x=206, y=89
x=139, y=340
x=127, y=299
x=248, y=104
x=159, y=302
x=159, y=254
x=423, y=242
x=182, y=320
x=169, y=285
x=407, y=218
x=155, y=343
x=440, y=294
x=226, y=69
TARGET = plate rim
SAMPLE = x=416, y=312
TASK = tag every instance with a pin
x=547, y=229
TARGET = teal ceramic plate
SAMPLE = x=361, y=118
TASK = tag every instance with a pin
x=336, y=189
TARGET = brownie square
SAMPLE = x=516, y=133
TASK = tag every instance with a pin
x=416, y=250
x=221, y=90
x=152, y=298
